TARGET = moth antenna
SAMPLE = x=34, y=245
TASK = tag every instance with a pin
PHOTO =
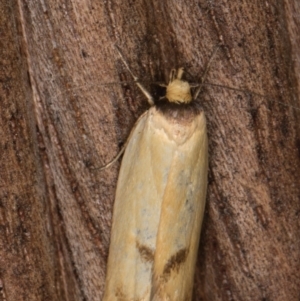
x=206, y=71
x=246, y=91
x=161, y=85
x=136, y=80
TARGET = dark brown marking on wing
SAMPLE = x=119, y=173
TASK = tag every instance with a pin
x=159, y=281
x=120, y=295
x=174, y=262
x=146, y=253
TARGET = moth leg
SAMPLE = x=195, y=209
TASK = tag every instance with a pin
x=205, y=72
x=120, y=153
x=142, y=88
x=115, y=159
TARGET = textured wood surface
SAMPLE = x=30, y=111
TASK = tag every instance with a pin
x=250, y=244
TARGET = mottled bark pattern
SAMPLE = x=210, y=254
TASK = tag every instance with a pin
x=56, y=208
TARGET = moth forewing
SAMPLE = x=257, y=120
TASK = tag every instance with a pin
x=181, y=215
x=160, y=202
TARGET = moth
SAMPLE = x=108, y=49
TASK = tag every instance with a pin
x=160, y=199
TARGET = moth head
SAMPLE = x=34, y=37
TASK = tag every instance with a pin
x=178, y=91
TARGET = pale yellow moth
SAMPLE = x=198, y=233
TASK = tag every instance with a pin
x=160, y=200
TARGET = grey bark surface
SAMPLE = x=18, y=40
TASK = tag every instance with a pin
x=72, y=121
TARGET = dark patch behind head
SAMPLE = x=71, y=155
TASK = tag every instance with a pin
x=182, y=113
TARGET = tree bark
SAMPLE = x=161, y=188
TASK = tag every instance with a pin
x=250, y=244
x=27, y=256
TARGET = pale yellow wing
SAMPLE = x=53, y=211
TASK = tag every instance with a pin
x=182, y=209
x=158, y=210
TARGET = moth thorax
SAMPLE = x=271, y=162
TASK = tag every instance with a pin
x=179, y=91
